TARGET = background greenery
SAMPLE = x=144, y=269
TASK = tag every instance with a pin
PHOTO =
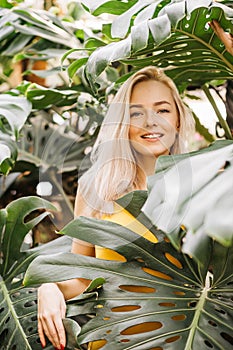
x=58, y=71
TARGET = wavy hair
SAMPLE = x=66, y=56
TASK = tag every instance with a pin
x=115, y=170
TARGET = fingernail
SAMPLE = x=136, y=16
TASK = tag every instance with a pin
x=62, y=346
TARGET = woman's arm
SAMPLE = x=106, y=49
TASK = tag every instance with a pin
x=52, y=296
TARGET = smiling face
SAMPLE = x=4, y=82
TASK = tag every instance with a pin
x=154, y=118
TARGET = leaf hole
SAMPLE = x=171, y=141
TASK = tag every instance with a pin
x=3, y=335
x=125, y=340
x=212, y=323
x=140, y=260
x=125, y=308
x=177, y=292
x=167, y=304
x=7, y=320
x=192, y=286
x=157, y=274
x=16, y=295
x=192, y=304
x=108, y=331
x=173, y=339
x=14, y=347
x=30, y=330
x=181, y=317
x=142, y=328
x=30, y=303
x=186, y=25
x=106, y=318
x=30, y=291
x=227, y=337
x=180, y=46
x=99, y=344
x=34, y=318
x=173, y=260
x=137, y=289
x=2, y=309
x=99, y=306
x=29, y=136
x=207, y=343
x=221, y=311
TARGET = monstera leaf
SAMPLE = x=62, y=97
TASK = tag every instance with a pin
x=174, y=35
x=8, y=153
x=196, y=193
x=157, y=296
x=14, y=111
x=18, y=326
x=156, y=286
x=20, y=25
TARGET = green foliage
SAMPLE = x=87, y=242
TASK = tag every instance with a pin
x=196, y=196
x=174, y=35
x=14, y=110
x=18, y=325
x=185, y=302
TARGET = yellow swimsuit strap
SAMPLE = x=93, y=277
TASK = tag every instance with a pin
x=122, y=217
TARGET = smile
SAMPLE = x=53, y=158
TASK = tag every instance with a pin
x=152, y=136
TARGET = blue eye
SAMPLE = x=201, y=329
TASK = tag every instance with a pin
x=164, y=110
x=136, y=114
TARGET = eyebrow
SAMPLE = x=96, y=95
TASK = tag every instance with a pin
x=154, y=104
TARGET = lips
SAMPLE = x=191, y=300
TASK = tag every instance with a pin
x=151, y=136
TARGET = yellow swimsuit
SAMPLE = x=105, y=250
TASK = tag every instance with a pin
x=124, y=218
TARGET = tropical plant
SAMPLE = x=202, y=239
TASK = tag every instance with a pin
x=173, y=34
x=181, y=286
x=18, y=326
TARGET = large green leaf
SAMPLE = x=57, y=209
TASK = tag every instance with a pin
x=8, y=153
x=174, y=35
x=18, y=321
x=185, y=302
x=183, y=307
x=24, y=24
x=52, y=146
x=14, y=110
x=196, y=193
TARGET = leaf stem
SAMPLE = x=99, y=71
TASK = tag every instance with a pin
x=222, y=121
x=199, y=310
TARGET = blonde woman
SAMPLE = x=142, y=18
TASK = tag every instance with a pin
x=146, y=119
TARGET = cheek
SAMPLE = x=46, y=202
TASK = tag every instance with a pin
x=133, y=131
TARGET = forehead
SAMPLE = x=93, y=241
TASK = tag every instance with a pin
x=150, y=91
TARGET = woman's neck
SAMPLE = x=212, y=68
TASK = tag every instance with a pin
x=147, y=164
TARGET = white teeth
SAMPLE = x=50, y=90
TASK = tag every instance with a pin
x=151, y=136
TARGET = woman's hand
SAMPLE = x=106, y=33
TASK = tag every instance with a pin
x=226, y=38
x=51, y=311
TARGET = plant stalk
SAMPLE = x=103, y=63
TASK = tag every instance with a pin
x=222, y=121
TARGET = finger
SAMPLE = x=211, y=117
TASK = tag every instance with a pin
x=60, y=331
x=41, y=334
x=51, y=333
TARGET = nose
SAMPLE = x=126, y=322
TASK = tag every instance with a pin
x=151, y=118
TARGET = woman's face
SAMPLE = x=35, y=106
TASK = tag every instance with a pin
x=154, y=118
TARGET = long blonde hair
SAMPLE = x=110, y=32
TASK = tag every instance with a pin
x=115, y=170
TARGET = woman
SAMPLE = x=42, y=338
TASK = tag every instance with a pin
x=146, y=119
